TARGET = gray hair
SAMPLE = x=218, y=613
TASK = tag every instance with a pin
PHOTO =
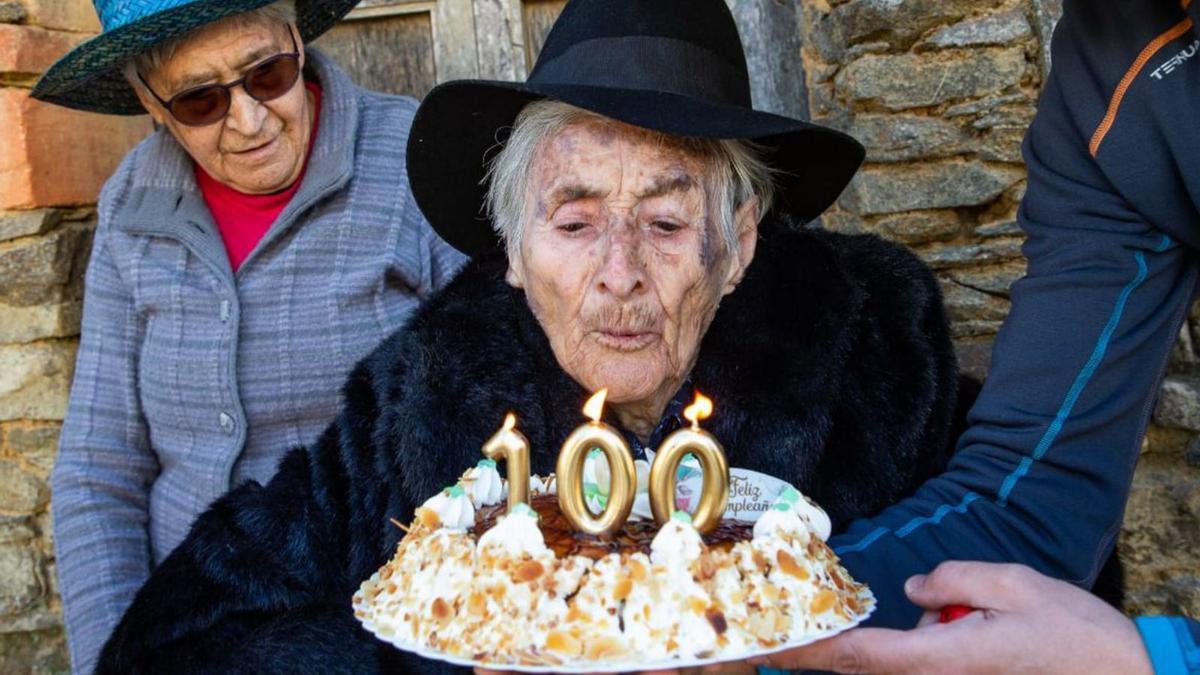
x=738, y=172
x=279, y=12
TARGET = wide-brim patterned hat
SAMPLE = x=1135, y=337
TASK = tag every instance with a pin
x=89, y=77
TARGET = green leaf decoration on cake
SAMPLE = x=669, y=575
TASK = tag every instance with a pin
x=790, y=496
x=521, y=508
x=682, y=516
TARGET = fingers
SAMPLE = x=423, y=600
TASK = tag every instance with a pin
x=974, y=584
x=722, y=668
x=728, y=668
x=929, y=619
x=863, y=650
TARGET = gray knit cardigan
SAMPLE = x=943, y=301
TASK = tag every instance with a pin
x=191, y=379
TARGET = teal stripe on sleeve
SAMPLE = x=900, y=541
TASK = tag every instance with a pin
x=1049, y=436
x=1162, y=643
x=1187, y=644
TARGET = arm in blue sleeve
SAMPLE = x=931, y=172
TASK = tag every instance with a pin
x=263, y=581
x=1173, y=643
x=1043, y=472
x=426, y=261
x=105, y=465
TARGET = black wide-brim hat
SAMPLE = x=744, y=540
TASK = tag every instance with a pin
x=89, y=77
x=673, y=66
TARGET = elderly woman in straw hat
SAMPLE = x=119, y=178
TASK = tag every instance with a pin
x=642, y=237
x=248, y=252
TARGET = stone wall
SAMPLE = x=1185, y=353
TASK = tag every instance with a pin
x=940, y=91
x=52, y=163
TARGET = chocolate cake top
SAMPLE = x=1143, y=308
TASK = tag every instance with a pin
x=635, y=536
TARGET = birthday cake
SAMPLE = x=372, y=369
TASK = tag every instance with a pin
x=477, y=582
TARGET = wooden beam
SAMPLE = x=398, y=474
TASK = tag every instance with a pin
x=455, y=53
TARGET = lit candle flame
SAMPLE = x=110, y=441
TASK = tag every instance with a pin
x=510, y=445
x=700, y=409
x=594, y=407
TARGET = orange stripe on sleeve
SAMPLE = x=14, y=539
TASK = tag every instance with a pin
x=1146, y=54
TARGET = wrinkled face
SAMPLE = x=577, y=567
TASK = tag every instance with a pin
x=259, y=147
x=621, y=259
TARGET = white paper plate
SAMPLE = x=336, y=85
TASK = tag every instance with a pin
x=866, y=598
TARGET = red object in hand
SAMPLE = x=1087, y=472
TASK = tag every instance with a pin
x=954, y=613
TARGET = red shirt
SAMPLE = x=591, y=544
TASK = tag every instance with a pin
x=243, y=219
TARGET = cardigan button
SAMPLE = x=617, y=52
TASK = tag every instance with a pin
x=225, y=311
x=226, y=423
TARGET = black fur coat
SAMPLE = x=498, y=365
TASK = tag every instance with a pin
x=831, y=367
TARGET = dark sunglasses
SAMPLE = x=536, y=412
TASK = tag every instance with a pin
x=210, y=103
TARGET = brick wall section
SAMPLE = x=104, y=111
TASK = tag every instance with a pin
x=52, y=164
x=57, y=157
x=941, y=92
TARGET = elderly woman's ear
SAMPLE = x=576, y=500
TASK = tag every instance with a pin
x=746, y=220
x=148, y=103
x=515, y=276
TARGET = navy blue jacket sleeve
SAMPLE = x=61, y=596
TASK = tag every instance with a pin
x=1043, y=472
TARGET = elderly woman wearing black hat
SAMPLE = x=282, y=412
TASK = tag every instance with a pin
x=247, y=255
x=643, y=234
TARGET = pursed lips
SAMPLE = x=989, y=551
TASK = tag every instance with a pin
x=625, y=339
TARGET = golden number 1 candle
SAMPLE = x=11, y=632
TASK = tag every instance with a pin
x=596, y=434
x=511, y=446
x=715, y=493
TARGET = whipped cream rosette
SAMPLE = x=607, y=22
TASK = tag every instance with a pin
x=474, y=585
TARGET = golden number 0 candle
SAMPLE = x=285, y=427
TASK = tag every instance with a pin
x=511, y=446
x=596, y=434
x=715, y=493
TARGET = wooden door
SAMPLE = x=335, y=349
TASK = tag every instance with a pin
x=408, y=46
